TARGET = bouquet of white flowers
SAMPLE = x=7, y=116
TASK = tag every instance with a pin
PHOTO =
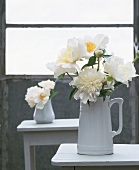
x=99, y=75
x=39, y=96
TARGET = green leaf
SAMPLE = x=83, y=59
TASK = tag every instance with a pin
x=117, y=84
x=107, y=56
x=92, y=61
x=105, y=92
x=104, y=51
x=53, y=93
x=136, y=57
x=73, y=92
x=60, y=77
x=86, y=65
x=137, y=54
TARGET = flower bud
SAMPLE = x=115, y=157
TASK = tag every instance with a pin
x=99, y=53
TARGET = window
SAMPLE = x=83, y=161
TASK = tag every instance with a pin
x=38, y=29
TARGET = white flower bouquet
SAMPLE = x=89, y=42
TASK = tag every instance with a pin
x=99, y=75
x=39, y=96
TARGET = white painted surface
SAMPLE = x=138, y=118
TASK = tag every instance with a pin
x=124, y=155
x=95, y=135
x=45, y=115
x=60, y=131
x=58, y=124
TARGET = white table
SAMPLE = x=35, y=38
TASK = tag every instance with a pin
x=60, y=131
x=125, y=157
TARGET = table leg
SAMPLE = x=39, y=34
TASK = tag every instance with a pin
x=29, y=156
x=32, y=158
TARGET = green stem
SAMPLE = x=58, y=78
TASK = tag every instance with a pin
x=69, y=75
x=98, y=64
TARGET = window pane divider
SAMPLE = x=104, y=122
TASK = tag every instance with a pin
x=66, y=25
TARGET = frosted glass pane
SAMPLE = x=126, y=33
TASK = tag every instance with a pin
x=29, y=49
x=69, y=11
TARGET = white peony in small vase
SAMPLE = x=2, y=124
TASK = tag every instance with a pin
x=45, y=115
x=95, y=135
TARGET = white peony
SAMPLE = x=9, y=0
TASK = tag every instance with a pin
x=120, y=71
x=48, y=84
x=66, y=61
x=90, y=44
x=43, y=98
x=89, y=83
x=37, y=96
x=32, y=95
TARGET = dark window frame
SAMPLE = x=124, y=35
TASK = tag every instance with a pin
x=136, y=24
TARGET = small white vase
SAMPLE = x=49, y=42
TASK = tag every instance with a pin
x=95, y=135
x=45, y=115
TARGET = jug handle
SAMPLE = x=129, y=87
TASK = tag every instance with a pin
x=120, y=103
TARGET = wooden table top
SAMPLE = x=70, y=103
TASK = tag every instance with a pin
x=58, y=124
x=124, y=154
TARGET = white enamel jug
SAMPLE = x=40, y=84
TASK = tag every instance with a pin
x=95, y=135
x=45, y=115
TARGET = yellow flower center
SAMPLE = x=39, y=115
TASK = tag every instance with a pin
x=90, y=46
x=42, y=96
x=65, y=56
